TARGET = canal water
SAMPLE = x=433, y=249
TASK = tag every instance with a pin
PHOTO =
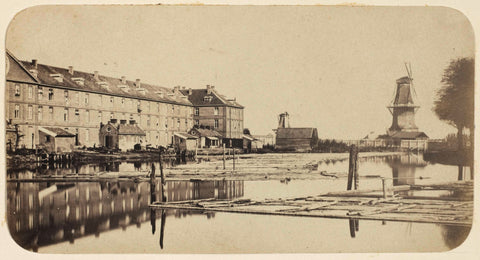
x=114, y=217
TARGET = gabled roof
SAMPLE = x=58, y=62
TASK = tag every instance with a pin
x=55, y=132
x=185, y=136
x=408, y=135
x=124, y=129
x=15, y=71
x=296, y=133
x=205, y=132
x=197, y=98
x=20, y=71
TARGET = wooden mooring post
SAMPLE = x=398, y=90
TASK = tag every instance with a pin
x=353, y=168
x=233, y=152
x=162, y=178
x=224, y=156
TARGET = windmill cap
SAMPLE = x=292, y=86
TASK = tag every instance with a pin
x=404, y=80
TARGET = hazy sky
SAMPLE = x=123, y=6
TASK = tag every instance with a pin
x=333, y=68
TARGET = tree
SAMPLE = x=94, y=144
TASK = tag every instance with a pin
x=456, y=97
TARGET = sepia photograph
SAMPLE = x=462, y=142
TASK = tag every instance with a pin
x=221, y=129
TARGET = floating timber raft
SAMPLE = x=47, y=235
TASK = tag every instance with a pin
x=355, y=204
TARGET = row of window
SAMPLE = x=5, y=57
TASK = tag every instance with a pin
x=16, y=115
x=86, y=99
x=215, y=111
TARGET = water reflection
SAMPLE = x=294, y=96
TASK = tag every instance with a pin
x=41, y=214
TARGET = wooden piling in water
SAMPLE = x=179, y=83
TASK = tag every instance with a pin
x=233, y=152
x=353, y=168
x=224, y=156
x=162, y=178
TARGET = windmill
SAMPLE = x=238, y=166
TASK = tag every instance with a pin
x=404, y=105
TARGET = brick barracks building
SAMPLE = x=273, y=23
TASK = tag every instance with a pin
x=40, y=96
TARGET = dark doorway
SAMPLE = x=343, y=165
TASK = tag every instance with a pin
x=108, y=141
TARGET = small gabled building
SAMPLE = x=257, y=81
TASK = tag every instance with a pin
x=185, y=141
x=57, y=140
x=121, y=135
x=207, y=138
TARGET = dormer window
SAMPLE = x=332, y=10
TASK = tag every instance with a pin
x=141, y=90
x=207, y=98
x=58, y=77
x=79, y=81
x=123, y=88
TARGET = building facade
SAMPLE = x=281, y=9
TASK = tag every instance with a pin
x=218, y=113
x=40, y=95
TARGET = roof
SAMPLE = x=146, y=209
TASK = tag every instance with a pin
x=197, y=98
x=20, y=71
x=248, y=137
x=124, y=129
x=185, y=136
x=56, y=132
x=206, y=132
x=296, y=133
x=15, y=71
x=409, y=135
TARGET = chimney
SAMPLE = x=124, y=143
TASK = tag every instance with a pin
x=132, y=122
x=183, y=87
x=34, y=63
x=95, y=75
x=176, y=89
x=113, y=120
x=137, y=83
x=70, y=70
x=209, y=90
x=124, y=80
x=123, y=121
x=190, y=91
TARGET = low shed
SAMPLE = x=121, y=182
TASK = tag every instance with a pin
x=296, y=139
x=185, y=142
x=54, y=139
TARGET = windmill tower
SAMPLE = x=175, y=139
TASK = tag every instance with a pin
x=283, y=120
x=404, y=105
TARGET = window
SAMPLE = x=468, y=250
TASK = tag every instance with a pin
x=111, y=100
x=77, y=115
x=40, y=112
x=216, y=123
x=65, y=114
x=66, y=96
x=197, y=111
x=50, y=111
x=207, y=98
x=173, y=109
x=123, y=101
x=17, y=111
x=50, y=94
x=111, y=115
x=215, y=111
x=30, y=91
x=86, y=98
x=40, y=93
x=87, y=115
x=87, y=135
x=178, y=123
x=30, y=112
x=17, y=90
x=47, y=139
x=148, y=121
x=100, y=116
x=197, y=123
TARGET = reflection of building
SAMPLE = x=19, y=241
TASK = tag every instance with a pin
x=404, y=167
x=40, y=214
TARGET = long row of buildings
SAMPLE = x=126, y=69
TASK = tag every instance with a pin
x=58, y=108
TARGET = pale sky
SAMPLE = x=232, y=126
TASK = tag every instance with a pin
x=333, y=68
